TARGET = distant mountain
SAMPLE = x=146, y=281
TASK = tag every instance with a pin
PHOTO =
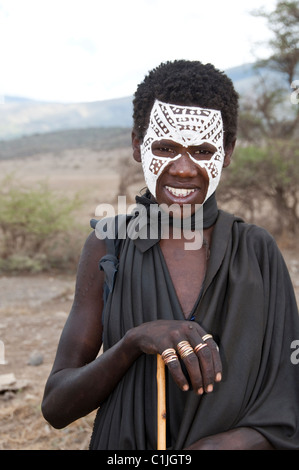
x=22, y=117
x=18, y=99
x=56, y=142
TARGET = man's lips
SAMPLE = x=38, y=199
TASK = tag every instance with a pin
x=180, y=192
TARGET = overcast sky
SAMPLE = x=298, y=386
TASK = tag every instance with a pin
x=86, y=50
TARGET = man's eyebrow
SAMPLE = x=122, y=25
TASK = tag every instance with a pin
x=204, y=144
x=169, y=143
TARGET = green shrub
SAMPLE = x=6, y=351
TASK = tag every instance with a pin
x=23, y=263
x=32, y=221
x=266, y=174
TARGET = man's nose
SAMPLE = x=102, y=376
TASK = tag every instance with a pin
x=183, y=167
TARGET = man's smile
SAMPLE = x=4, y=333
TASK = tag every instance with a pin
x=180, y=192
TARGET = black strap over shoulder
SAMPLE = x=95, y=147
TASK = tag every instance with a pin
x=113, y=230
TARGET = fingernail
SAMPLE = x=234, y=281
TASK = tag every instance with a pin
x=185, y=388
x=210, y=388
x=218, y=377
x=200, y=391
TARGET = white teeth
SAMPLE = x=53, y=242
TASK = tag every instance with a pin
x=180, y=192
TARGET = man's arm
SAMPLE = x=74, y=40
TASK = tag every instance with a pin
x=80, y=380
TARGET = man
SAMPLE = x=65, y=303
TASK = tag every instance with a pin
x=221, y=313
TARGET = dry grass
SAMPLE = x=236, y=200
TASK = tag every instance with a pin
x=24, y=428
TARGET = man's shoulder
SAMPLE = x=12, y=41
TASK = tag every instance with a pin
x=94, y=244
x=252, y=232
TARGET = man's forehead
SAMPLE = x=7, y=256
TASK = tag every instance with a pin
x=185, y=124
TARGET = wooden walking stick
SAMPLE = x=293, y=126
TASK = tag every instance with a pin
x=161, y=404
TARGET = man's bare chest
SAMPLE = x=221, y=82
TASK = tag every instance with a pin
x=187, y=270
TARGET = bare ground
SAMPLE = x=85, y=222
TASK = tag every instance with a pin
x=32, y=314
x=34, y=308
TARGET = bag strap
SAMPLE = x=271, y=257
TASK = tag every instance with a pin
x=113, y=230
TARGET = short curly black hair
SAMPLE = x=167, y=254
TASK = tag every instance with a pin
x=187, y=83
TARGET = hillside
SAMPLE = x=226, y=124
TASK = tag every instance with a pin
x=21, y=116
x=94, y=139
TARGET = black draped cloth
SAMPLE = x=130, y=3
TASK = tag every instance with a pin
x=247, y=303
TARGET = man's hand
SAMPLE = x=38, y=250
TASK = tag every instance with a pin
x=182, y=341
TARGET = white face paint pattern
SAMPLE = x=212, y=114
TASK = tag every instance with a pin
x=187, y=126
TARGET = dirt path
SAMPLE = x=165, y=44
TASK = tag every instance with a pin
x=33, y=311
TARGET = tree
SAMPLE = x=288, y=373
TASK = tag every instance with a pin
x=263, y=178
x=284, y=24
x=264, y=170
x=268, y=112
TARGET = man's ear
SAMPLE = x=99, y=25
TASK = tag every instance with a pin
x=228, y=153
x=136, y=147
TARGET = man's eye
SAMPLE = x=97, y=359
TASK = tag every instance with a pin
x=165, y=149
x=203, y=152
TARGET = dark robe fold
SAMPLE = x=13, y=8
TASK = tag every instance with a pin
x=248, y=305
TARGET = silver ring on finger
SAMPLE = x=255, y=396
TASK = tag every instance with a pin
x=199, y=347
x=184, y=349
x=208, y=336
x=169, y=355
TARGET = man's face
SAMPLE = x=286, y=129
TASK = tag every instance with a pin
x=182, y=153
